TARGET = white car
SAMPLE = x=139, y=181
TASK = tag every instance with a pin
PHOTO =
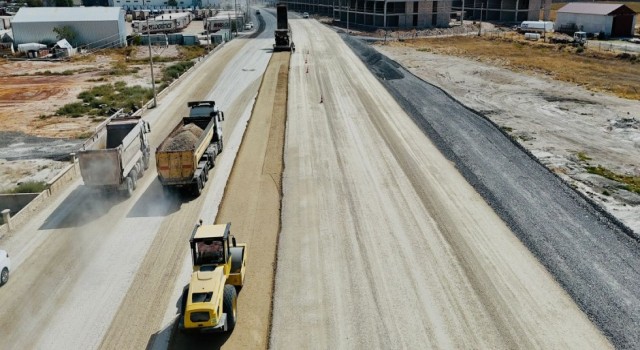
x=305, y=15
x=5, y=266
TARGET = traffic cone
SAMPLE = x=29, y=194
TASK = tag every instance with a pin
x=321, y=99
x=307, y=69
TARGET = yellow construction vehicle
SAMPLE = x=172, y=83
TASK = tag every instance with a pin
x=209, y=304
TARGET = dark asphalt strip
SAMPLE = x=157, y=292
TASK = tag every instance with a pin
x=591, y=254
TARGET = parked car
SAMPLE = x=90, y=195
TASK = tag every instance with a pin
x=247, y=26
x=251, y=24
x=257, y=12
x=5, y=266
x=305, y=15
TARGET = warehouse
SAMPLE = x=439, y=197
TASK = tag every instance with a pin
x=94, y=27
x=614, y=20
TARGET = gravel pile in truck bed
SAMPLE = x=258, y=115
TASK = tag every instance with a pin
x=184, y=139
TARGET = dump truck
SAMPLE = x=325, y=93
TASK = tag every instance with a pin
x=209, y=302
x=118, y=155
x=185, y=157
x=282, y=33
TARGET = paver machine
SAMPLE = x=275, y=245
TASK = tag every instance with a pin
x=209, y=303
x=282, y=34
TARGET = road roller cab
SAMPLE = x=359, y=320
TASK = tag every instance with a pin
x=209, y=304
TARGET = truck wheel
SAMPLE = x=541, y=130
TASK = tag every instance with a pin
x=183, y=301
x=141, y=170
x=134, y=178
x=230, y=306
x=129, y=188
x=197, y=188
x=4, y=276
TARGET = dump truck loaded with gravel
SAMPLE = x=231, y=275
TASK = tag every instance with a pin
x=185, y=157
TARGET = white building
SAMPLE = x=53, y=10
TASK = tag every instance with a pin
x=94, y=27
x=611, y=19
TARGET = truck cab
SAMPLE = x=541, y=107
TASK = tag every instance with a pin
x=580, y=38
x=208, y=109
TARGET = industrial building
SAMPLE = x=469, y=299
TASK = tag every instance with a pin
x=506, y=11
x=223, y=20
x=379, y=13
x=615, y=20
x=94, y=27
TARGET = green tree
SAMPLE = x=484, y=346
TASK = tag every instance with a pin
x=95, y=2
x=34, y=3
x=63, y=3
x=65, y=32
x=172, y=3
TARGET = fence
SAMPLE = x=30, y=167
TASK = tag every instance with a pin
x=613, y=46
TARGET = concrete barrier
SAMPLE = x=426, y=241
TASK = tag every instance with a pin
x=59, y=183
x=66, y=176
x=15, y=201
x=19, y=218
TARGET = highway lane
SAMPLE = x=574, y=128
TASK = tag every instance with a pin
x=384, y=244
x=76, y=262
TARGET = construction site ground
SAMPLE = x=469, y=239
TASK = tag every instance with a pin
x=407, y=220
x=251, y=203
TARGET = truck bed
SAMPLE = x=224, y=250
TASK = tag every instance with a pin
x=114, y=155
x=179, y=166
x=100, y=167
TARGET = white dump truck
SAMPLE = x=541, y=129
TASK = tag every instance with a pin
x=118, y=155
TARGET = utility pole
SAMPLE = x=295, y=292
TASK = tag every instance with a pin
x=153, y=82
x=348, y=16
x=480, y=28
x=235, y=14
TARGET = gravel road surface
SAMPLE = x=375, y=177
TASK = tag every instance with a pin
x=384, y=244
x=99, y=271
x=587, y=253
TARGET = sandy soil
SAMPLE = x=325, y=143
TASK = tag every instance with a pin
x=556, y=121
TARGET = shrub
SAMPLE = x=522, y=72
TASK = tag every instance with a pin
x=172, y=72
x=102, y=99
x=29, y=187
